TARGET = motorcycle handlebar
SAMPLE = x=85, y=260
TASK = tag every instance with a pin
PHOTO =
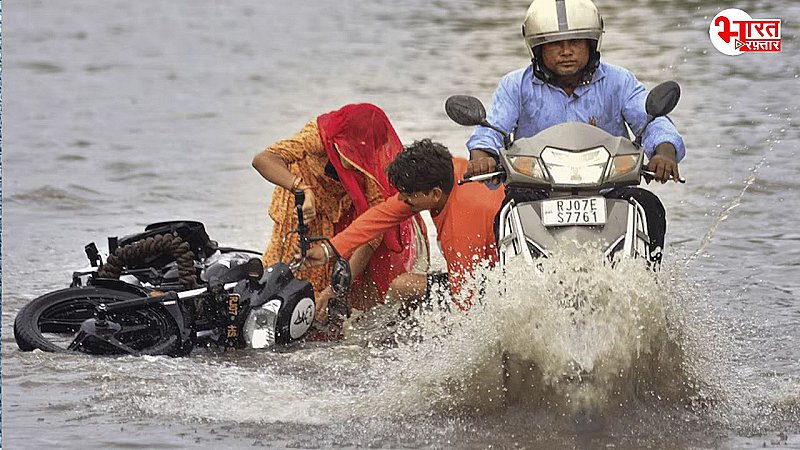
x=166, y=297
x=302, y=228
x=199, y=291
x=299, y=198
x=305, y=241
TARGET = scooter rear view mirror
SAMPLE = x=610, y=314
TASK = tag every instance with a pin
x=662, y=99
x=465, y=110
x=469, y=111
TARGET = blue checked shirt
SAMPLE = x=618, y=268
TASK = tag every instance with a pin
x=526, y=105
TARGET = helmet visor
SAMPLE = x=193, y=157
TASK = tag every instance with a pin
x=539, y=39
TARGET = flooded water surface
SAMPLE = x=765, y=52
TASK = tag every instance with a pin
x=117, y=114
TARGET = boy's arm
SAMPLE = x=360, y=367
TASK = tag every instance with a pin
x=373, y=223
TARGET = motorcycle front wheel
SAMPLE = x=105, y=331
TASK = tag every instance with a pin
x=52, y=321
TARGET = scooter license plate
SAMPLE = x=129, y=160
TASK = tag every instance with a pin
x=574, y=211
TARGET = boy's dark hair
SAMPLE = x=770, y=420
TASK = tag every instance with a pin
x=422, y=166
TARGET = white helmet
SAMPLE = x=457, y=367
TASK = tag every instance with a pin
x=561, y=20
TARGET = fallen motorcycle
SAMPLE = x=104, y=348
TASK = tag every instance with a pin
x=171, y=289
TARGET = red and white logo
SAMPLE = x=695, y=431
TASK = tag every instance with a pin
x=734, y=32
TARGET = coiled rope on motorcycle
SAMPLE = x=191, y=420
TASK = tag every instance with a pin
x=137, y=252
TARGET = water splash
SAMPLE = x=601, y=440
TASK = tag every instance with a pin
x=569, y=335
x=573, y=333
x=727, y=209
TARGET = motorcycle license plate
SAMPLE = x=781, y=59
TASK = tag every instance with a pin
x=574, y=211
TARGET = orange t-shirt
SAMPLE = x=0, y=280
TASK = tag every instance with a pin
x=465, y=228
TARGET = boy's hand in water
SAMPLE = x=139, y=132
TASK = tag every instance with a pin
x=322, y=305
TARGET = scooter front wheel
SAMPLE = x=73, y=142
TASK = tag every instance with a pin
x=51, y=322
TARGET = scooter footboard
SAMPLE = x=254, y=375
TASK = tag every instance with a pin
x=523, y=231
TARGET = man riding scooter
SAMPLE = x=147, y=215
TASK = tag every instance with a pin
x=567, y=82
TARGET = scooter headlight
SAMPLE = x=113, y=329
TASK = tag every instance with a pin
x=528, y=166
x=576, y=168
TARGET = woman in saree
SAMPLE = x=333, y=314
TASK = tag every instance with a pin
x=339, y=161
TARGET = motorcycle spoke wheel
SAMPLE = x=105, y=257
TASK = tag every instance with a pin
x=53, y=321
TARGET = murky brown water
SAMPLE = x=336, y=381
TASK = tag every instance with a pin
x=117, y=114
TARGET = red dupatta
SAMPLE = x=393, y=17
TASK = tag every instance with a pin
x=362, y=135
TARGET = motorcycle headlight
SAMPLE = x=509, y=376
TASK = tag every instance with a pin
x=259, y=328
x=623, y=164
x=527, y=165
x=585, y=167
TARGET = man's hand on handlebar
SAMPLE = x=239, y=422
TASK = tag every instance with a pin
x=663, y=163
x=481, y=162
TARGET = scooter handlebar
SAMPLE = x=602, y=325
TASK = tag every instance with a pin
x=647, y=174
x=482, y=177
x=650, y=176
